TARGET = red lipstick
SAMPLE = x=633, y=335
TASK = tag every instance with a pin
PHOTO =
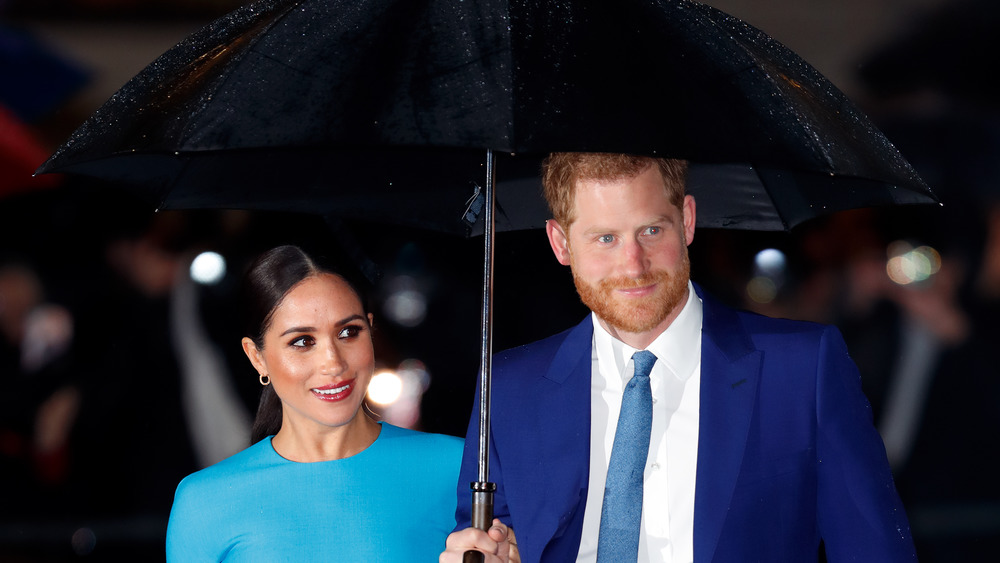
x=334, y=392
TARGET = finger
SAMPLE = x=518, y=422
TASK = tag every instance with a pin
x=471, y=539
x=498, y=532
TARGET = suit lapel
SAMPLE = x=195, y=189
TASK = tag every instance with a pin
x=730, y=373
x=553, y=411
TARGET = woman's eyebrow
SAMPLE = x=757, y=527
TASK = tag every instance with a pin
x=341, y=322
x=355, y=317
x=295, y=329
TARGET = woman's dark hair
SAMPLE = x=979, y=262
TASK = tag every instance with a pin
x=270, y=277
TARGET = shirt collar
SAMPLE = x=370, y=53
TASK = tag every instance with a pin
x=678, y=348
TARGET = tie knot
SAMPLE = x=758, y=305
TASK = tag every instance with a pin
x=643, y=360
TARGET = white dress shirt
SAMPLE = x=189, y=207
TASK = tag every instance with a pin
x=669, y=481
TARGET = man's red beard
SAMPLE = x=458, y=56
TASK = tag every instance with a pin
x=636, y=315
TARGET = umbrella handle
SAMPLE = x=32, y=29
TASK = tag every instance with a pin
x=482, y=514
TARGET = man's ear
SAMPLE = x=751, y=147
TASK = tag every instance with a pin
x=689, y=219
x=256, y=358
x=559, y=241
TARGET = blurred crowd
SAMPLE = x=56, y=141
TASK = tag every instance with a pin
x=121, y=375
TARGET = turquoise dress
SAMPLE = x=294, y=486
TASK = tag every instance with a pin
x=395, y=501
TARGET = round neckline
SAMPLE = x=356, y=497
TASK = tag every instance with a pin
x=381, y=432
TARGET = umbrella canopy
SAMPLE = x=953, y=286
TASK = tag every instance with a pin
x=329, y=105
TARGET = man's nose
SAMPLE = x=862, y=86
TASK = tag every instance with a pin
x=634, y=257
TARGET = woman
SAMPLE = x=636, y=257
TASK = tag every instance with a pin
x=323, y=480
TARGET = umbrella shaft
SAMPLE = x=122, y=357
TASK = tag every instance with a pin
x=486, y=357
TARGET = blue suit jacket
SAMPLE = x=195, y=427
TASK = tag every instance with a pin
x=787, y=453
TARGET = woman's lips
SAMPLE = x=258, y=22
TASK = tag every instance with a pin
x=335, y=391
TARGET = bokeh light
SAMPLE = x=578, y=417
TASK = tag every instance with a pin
x=83, y=541
x=208, y=268
x=770, y=261
x=770, y=267
x=396, y=396
x=405, y=304
x=762, y=289
x=908, y=264
x=385, y=388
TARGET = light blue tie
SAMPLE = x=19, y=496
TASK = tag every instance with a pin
x=622, y=513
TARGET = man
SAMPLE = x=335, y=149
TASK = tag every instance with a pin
x=760, y=447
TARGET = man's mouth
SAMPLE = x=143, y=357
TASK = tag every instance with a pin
x=632, y=291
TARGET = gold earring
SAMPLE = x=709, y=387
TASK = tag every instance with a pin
x=264, y=379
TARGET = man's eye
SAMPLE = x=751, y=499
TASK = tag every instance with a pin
x=606, y=239
x=653, y=230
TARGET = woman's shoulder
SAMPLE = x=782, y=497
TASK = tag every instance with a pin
x=229, y=470
x=396, y=437
x=391, y=432
x=212, y=506
x=431, y=459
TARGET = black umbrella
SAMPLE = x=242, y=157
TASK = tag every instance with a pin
x=401, y=97
x=392, y=110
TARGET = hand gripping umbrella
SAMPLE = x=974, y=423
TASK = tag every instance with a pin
x=384, y=110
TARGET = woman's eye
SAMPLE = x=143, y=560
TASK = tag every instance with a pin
x=302, y=341
x=349, y=331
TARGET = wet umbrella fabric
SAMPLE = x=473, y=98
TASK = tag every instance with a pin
x=381, y=110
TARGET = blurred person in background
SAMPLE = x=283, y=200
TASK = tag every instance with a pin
x=930, y=90
x=40, y=399
x=133, y=440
